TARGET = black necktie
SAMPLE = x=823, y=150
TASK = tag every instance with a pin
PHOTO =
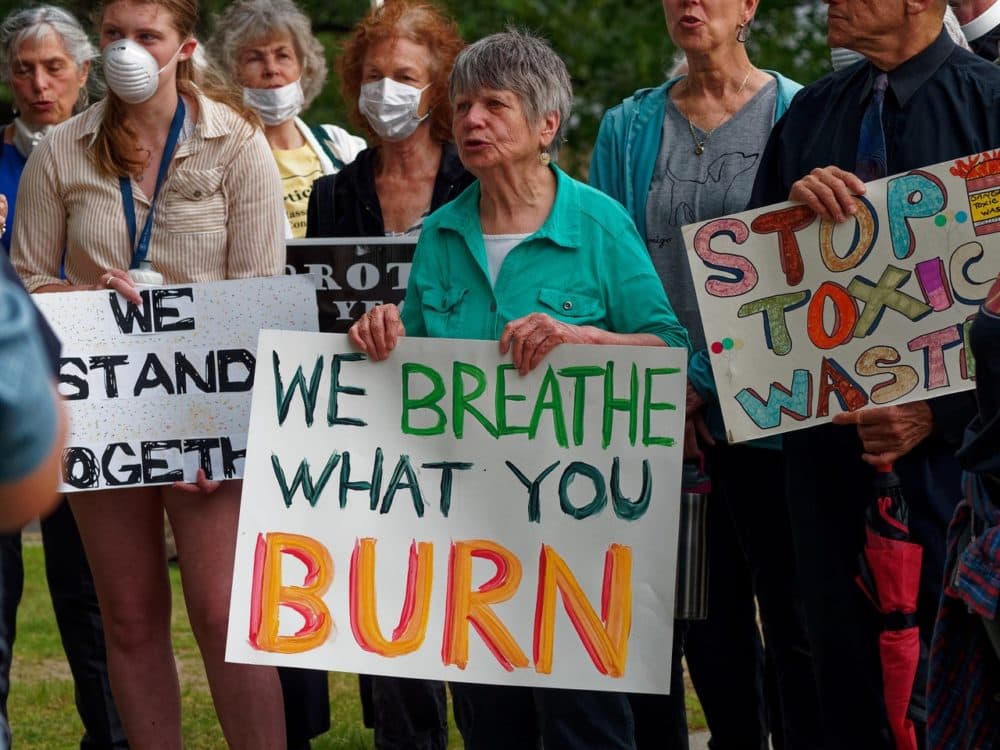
x=871, y=162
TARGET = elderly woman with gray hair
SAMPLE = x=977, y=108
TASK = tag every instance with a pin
x=480, y=265
x=45, y=58
x=268, y=48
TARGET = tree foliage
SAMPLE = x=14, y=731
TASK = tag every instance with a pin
x=611, y=47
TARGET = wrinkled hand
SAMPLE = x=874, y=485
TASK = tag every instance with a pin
x=889, y=432
x=119, y=281
x=4, y=210
x=202, y=485
x=377, y=331
x=532, y=337
x=829, y=191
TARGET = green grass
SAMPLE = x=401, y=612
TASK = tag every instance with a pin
x=43, y=715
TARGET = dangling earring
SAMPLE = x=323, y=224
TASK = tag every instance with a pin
x=544, y=158
x=743, y=32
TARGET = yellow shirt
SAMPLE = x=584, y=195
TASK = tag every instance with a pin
x=298, y=168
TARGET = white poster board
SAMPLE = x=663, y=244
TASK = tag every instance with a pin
x=805, y=318
x=156, y=391
x=396, y=515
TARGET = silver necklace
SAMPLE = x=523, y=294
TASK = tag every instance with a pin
x=699, y=145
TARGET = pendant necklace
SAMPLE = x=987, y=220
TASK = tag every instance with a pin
x=699, y=144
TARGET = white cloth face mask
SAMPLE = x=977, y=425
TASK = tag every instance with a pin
x=131, y=71
x=276, y=106
x=25, y=139
x=391, y=108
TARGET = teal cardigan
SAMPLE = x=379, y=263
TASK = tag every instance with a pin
x=622, y=163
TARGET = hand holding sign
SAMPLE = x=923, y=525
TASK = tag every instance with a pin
x=119, y=281
x=377, y=331
x=829, y=191
x=890, y=432
x=532, y=337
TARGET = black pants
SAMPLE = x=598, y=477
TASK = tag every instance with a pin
x=78, y=617
x=306, y=697
x=748, y=687
x=406, y=714
x=828, y=490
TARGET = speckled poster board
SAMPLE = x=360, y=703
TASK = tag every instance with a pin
x=156, y=392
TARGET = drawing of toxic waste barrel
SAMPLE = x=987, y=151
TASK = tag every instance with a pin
x=982, y=181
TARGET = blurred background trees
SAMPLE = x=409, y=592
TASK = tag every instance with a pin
x=611, y=47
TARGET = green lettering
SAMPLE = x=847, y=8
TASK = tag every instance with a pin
x=549, y=398
x=580, y=374
x=304, y=479
x=625, y=508
x=336, y=388
x=648, y=405
x=501, y=403
x=403, y=471
x=284, y=398
x=446, y=480
x=612, y=404
x=600, y=493
x=461, y=401
x=373, y=487
x=424, y=402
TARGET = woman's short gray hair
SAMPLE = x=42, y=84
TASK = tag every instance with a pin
x=36, y=23
x=247, y=21
x=520, y=62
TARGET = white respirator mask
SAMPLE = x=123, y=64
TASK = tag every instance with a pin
x=131, y=72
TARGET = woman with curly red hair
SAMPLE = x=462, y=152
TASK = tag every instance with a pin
x=394, y=76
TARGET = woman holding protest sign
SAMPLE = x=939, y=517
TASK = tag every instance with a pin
x=170, y=177
x=687, y=151
x=534, y=257
x=394, y=76
x=268, y=48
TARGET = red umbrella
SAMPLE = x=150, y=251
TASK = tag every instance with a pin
x=890, y=577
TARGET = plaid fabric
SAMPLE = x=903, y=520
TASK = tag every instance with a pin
x=964, y=682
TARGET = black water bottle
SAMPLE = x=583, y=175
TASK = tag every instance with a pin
x=691, y=598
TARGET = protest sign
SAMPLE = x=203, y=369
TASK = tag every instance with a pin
x=805, y=318
x=157, y=391
x=437, y=515
x=352, y=274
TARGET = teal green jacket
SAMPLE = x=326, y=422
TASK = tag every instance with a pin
x=622, y=163
x=586, y=265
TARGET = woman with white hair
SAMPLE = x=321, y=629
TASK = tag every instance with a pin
x=268, y=48
x=45, y=58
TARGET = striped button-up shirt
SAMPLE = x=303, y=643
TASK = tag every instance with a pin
x=219, y=214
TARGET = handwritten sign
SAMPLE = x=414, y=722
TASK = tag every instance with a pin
x=352, y=274
x=805, y=318
x=157, y=391
x=438, y=515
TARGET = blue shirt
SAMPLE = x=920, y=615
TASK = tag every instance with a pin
x=586, y=265
x=11, y=166
x=27, y=408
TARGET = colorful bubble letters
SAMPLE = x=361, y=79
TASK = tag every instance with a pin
x=805, y=318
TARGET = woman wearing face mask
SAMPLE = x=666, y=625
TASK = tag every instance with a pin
x=168, y=177
x=394, y=76
x=45, y=59
x=268, y=47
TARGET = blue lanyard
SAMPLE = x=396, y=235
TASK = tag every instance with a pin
x=140, y=250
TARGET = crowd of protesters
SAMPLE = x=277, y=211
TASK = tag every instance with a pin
x=197, y=167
